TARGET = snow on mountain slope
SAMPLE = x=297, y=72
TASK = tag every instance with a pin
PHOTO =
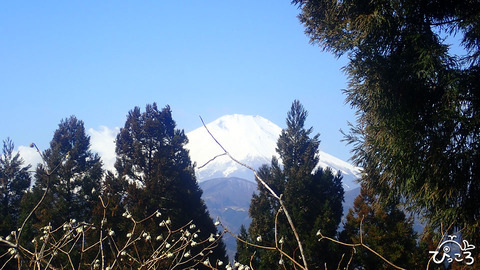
x=252, y=140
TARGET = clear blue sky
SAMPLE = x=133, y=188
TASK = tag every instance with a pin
x=98, y=59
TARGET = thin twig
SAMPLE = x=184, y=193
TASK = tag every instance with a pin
x=351, y=258
x=340, y=262
x=263, y=247
x=251, y=259
x=360, y=244
x=212, y=159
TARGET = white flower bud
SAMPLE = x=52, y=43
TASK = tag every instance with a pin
x=211, y=238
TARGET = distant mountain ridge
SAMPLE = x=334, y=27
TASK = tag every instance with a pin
x=229, y=200
x=252, y=140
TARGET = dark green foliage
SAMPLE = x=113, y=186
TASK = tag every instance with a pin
x=14, y=182
x=73, y=176
x=418, y=131
x=386, y=230
x=152, y=158
x=313, y=197
x=244, y=251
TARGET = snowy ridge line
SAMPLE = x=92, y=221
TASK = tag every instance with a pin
x=252, y=140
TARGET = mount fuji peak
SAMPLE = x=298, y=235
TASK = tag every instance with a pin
x=251, y=140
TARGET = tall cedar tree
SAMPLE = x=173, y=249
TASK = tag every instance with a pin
x=418, y=131
x=76, y=173
x=385, y=229
x=312, y=195
x=151, y=156
x=14, y=182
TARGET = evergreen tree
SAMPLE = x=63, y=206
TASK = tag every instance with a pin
x=244, y=251
x=263, y=209
x=151, y=156
x=73, y=176
x=14, y=182
x=385, y=229
x=313, y=196
x=418, y=132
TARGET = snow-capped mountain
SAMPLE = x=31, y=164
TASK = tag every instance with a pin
x=251, y=140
